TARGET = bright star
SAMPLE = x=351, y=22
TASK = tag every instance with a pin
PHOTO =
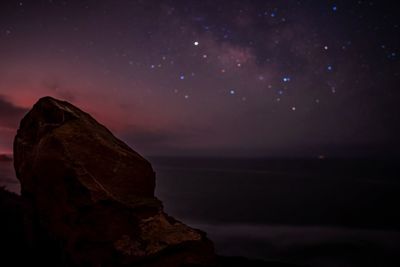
x=196, y=43
x=232, y=92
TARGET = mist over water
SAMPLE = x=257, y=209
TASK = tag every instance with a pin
x=320, y=213
x=310, y=245
x=293, y=192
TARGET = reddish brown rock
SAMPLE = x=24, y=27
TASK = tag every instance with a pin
x=95, y=195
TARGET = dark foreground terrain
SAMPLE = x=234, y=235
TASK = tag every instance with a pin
x=88, y=199
x=16, y=249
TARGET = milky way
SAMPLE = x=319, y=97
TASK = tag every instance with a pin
x=211, y=78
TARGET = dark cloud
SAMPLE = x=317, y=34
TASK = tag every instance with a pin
x=10, y=114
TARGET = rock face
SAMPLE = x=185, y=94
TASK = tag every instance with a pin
x=95, y=195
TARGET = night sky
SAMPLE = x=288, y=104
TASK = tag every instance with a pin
x=212, y=78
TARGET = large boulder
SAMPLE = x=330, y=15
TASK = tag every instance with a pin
x=95, y=195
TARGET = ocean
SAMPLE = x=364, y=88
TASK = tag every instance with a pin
x=327, y=213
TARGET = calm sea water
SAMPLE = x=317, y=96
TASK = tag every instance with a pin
x=320, y=213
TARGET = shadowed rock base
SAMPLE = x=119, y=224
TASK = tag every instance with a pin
x=17, y=248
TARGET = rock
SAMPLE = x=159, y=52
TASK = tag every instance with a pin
x=11, y=227
x=16, y=249
x=95, y=195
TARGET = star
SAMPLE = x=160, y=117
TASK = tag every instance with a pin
x=232, y=92
x=196, y=43
x=182, y=77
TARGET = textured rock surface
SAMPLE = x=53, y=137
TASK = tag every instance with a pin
x=95, y=195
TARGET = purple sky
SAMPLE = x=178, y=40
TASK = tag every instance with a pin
x=211, y=78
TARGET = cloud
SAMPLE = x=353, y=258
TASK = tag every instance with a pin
x=10, y=115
